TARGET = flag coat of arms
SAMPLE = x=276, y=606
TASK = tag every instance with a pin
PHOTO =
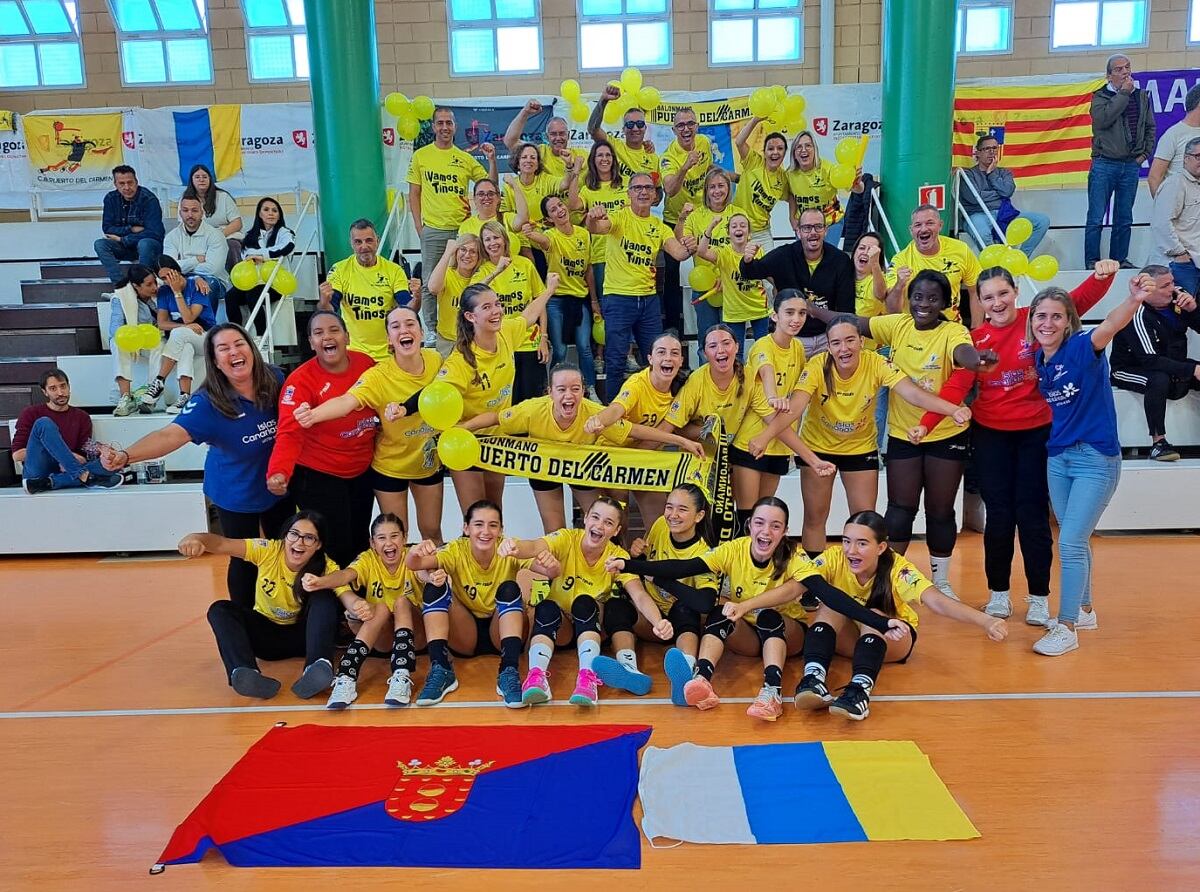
x=494, y=797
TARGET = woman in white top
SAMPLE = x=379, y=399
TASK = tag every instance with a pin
x=267, y=239
x=220, y=210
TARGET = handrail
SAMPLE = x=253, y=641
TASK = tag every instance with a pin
x=267, y=339
x=393, y=226
x=961, y=177
x=887, y=224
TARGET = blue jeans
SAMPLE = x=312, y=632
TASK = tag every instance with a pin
x=555, y=313
x=626, y=319
x=1186, y=276
x=110, y=254
x=706, y=317
x=48, y=456
x=1041, y=223
x=758, y=329
x=1082, y=481
x=833, y=234
x=1106, y=179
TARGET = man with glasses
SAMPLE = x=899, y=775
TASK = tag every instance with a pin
x=630, y=307
x=683, y=166
x=1176, y=219
x=556, y=150
x=634, y=153
x=929, y=249
x=996, y=187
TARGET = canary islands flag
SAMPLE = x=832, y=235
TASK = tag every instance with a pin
x=545, y=796
x=845, y=791
x=212, y=137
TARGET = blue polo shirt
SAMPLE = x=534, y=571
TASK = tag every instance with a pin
x=1075, y=384
x=166, y=302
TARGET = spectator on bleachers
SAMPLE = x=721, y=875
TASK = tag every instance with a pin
x=54, y=440
x=1176, y=218
x=267, y=239
x=199, y=249
x=220, y=210
x=929, y=249
x=185, y=314
x=1122, y=139
x=996, y=187
x=1172, y=145
x=1149, y=356
x=132, y=225
x=133, y=303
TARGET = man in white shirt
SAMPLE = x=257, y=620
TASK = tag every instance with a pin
x=199, y=248
x=1175, y=219
x=1168, y=154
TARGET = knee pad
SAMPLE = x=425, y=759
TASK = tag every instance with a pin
x=768, y=625
x=718, y=624
x=899, y=520
x=684, y=619
x=619, y=616
x=941, y=532
x=547, y=617
x=435, y=598
x=585, y=614
x=508, y=597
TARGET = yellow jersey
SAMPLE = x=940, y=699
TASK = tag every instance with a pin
x=742, y=300
x=842, y=422
x=517, y=285
x=812, y=190
x=578, y=577
x=631, y=161
x=444, y=176
x=643, y=404
x=488, y=386
x=954, y=259
x=759, y=190
x=473, y=584
x=866, y=304
x=405, y=448
x=569, y=256
x=700, y=397
x=630, y=250
x=380, y=585
x=274, y=596
x=788, y=363
x=556, y=166
x=543, y=184
x=908, y=584
x=535, y=418
x=927, y=357
x=368, y=295
x=748, y=579
x=610, y=198
x=661, y=547
x=474, y=226
x=453, y=286
x=696, y=225
x=693, y=182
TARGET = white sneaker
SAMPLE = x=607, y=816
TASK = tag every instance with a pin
x=345, y=692
x=430, y=341
x=400, y=687
x=945, y=589
x=1087, y=621
x=592, y=395
x=126, y=405
x=1057, y=641
x=176, y=407
x=1038, y=613
x=999, y=605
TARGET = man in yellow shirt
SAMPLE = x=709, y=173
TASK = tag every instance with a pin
x=683, y=166
x=929, y=249
x=558, y=137
x=634, y=153
x=438, y=177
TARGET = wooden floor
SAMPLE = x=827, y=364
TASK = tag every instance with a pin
x=1081, y=772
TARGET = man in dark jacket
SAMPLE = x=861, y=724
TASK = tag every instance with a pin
x=132, y=225
x=1122, y=139
x=1149, y=355
x=810, y=264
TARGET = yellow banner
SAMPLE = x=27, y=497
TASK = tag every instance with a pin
x=73, y=151
x=734, y=110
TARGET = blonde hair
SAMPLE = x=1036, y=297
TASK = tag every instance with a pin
x=713, y=173
x=496, y=228
x=1064, y=298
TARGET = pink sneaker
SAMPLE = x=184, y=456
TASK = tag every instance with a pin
x=536, y=688
x=699, y=693
x=587, y=687
x=767, y=705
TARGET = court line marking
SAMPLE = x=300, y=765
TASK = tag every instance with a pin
x=484, y=704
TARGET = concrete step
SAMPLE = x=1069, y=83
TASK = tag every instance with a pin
x=15, y=397
x=72, y=269
x=53, y=291
x=24, y=370
x=34, y=316
x=107, y=428
x=40, y=341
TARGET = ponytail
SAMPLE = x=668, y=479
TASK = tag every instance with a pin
x=465, y=342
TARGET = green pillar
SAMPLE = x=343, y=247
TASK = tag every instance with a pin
x=918, y=104
x=344, y=75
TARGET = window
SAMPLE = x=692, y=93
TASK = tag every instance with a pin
x=276, y=43
x=495, y=36
x=755, y=31
x=39, y=44
x=1084, y=24
x=614, y=34
x=983, y=27
x=163, y=41
x=1194, y=23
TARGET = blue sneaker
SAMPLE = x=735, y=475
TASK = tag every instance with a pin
x=508, y=686
x=679, y=673
x=615, y=675
x=438, y=684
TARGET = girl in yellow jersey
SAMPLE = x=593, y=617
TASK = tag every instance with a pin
x=763, y=182
x=869, y=595
x=405, y=454
x=764, y=560
x=602, y=186
x=451, y=277
x=479, y=608
x=286, y=621
x=390, y=591
x=743, y=301
x=719, y=387
x=482, y=367
x=712, y=217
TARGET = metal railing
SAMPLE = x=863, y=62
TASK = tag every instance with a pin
x=960, y=178
x=271, y=309
x=877, y=202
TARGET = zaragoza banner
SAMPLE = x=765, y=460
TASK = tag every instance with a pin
x=73, y=151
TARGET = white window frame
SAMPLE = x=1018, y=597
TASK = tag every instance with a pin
x=1097, y=47
x=624, y=19
x=1192, y=21
x=75, y=37
x=492, y=24
x=293, y=30
x=162, y=35
x=754, y=15
x=960, y=26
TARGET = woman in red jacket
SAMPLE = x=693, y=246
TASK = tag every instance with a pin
x=1009, y=428
x=324, y=467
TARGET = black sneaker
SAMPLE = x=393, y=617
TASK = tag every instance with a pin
x=315, y=678
x=150, y=398
x=853, y=702
x=1163, y=451
x=35, y=485
x=104, y=481
x=1125, y=264
x=812, y=693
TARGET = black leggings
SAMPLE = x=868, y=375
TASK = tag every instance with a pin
x=243, y=634
x=1011, y=467
x=939, y=478
x=242, y=575
x=531, y=378
x=345, y=504
x=672, y=297
x=1157, y=388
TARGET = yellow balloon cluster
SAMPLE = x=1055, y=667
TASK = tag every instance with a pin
x=408, y=113
x=779, y=110
x=246, y=275
x=849, y=152
x=634, y=93
x=132, y=338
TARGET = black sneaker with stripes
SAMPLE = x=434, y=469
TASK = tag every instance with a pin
x=853, y=702
x=812, y=693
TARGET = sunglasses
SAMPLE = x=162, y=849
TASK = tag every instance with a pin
x=635, y=125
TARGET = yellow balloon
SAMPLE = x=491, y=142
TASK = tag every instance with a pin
x=762, y=103
x=266, y=268
x=649, y=98
x=796, y=125
x=598, y=332
x=1015, y=261
x=992, y=255
x=397, y=104
x=459, y=449
x=127, y=338
x=150, y=336
x=1018, y=231
x=440, y=405
x=702, y=278
x=631, y=80
x=847, y=151
x=408, y=127
x=422, y=107
x=778, y=93
x=841, y=176
x=578, y=111
x=570, y=89
x=613, y=113
x=1043, y=268
x=244, y=275
x=793, y=106
x=285, y=283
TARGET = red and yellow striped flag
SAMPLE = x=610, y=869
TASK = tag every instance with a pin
x=1045, y=132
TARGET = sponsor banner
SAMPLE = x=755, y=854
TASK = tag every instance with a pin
x=478, y=123
x=75, y=152
x=1166, y=90
x=15, y=176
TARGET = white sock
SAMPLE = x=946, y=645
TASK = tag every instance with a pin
x=627, y=658
x=863, y=681
x=815, y=669
x=588, y=651
x=691, y=661
x=539, y=656
x=1003, y=595
x=941, y=570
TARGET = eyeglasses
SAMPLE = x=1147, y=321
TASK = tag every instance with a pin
x=1192, y=154
x=306, y=538
x=635, y=125
x=686, y=125
x=487, y=194
x=811, y=227
x=641, y=188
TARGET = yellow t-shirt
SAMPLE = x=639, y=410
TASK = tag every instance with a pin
x=516, y=286
x=699, y=398
x=759, y=190
x=578, y=577
x=661, y=547
x=630, y=250
x=696, y=225
x=610, y=198
x=908, y=584
x=535, y=418
x=843, y=422
x=447, y=303
x=274, y=596
x=788, y=363
x=866, y=304
x=543, y=184
x=643, y=404
x=492, y=392
x=472, y=584
x=554, y=165
x=569, y=256
x=812, y=189
x=927, y=357
x=405, y=448
x=368, y=295
x=381, y=586
x=474, y=226
x=630, y=161
x=444, y=175
x=748, y=580
x=954, y=259
x=693, y=183
x=742, y=299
